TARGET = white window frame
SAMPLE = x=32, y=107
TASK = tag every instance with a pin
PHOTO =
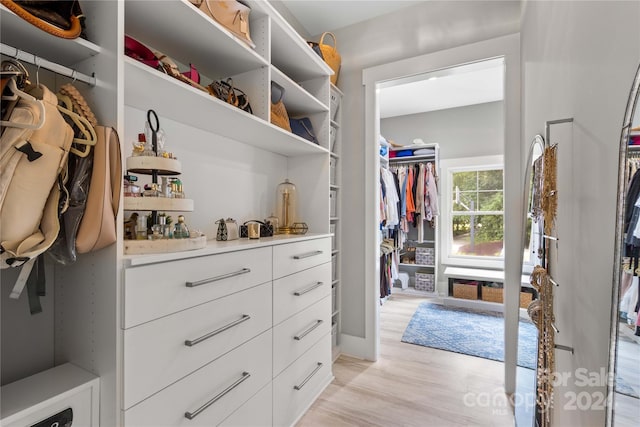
x=447, y=168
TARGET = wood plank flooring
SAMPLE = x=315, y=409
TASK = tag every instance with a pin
x=411, y=385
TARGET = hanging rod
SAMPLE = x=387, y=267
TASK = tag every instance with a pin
x=414, y=159
x=30, y=58
x=564, y=347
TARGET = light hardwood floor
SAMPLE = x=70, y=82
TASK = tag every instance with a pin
x=411, y=385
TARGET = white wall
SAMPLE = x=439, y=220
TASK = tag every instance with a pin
x=470, y=131
x=424, y=28
x=579, y=60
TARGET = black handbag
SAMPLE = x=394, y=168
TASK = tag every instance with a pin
x=266, y=229
x=303, y=128
x=225, y=91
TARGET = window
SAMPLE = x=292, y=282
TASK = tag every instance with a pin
x=473, y=211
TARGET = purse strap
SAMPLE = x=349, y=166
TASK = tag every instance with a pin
x=335, y=42
x=71, y=33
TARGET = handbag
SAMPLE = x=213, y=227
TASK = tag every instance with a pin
x=266, y=229
x=136, y=50
x=225, y=91
x=61, y=18
x=227, y=229
x=98, y=226
x=191, y=77
x=331, y=56
x=303, y=128
x=231, y=14
x=279, y=116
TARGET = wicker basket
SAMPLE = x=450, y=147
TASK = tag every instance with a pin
x=492, y=294
x=464, y=291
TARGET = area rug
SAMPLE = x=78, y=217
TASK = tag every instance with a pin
x=473, y=332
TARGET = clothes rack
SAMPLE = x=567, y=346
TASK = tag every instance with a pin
x=21, y=55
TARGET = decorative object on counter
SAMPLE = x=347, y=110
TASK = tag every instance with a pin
x=330, y=55
x=286, y=206
x=231, y=14
x=303, y=128
x=299, y=228
x=227, y=229
x=225, y=91
x=253, y=229
x=279, y=116
x=273, y=221
x=63, y=19
x=266, y=229
x=181, y=231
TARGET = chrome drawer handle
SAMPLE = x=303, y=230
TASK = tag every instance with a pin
x=309, y=289
x=308, y=331
x=307, y=255
x=216, y=278
x=306, y=380
x=191, y=343
x=192, y=415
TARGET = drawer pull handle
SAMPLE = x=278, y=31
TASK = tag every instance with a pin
x=191, y=343
x=309, y=289
x=215, y=279
x=306, y=380
x=307, y=255
x=192, y=415
x=308, y=331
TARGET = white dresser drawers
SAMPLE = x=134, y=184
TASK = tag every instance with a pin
x=294, y=293
x=153, y=291
x=257, y=412
x=297, y=334
x=161, y=352
x=212, y=393
x=294, y=257
x=297, y=387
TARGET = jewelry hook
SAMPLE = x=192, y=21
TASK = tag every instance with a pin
x=37, y=61
x=74, y=76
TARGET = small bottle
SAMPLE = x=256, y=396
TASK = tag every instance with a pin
x=148, y=147
x=176, y=189
x=141, y=228
x=151, y=190
x=181, y=231
x=131, y=189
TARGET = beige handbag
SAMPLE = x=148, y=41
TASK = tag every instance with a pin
x=279, y=116
x=231, y=14
x=98, y=226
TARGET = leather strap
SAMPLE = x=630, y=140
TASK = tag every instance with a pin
x=71, y=33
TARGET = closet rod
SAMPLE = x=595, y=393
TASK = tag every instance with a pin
x=564, y=347
x=404, y=160
x=30, y=58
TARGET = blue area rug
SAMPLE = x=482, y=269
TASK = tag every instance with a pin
x=473, y=332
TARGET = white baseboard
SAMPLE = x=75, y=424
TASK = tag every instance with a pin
x=357, y=347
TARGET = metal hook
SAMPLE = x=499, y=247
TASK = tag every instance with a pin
x=74, y=76
x=37, y=62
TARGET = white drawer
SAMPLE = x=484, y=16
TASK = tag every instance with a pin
x=257, y=412
x=293, y=257
x=296, y=292
x=156, y=353
x=153, y=291
x=232, y=379
x=297, y=334
x=298, y=386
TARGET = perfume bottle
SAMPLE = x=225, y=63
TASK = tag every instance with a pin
x=176, y=189
x=130, y=188
x=151, y=190
x=180, y=231
x=141, y=228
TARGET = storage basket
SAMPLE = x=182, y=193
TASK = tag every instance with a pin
x=465, y=291
x=490, y=294
x=425, y=282
x=525, y=299
x=334, y=104
x=425, y=256
x=333, y=133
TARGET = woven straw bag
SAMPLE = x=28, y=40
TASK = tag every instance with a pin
x=279, y=116
x=331, y=56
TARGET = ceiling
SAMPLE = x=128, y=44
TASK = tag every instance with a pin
x=328, y=15
x=464, y=85
x=469, y=84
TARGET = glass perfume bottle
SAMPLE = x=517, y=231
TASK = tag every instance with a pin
x=151, y=190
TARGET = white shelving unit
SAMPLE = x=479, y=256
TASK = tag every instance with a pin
x=232, y=161
x=422, y=236
x=335, y=215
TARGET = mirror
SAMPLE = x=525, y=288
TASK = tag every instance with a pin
x=624, y=355
x=532, y=244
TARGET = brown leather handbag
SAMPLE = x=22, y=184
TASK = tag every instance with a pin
x=231, y=14
x=61, y=18
x=279, y=115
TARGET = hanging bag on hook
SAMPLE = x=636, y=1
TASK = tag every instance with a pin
x=61, y=18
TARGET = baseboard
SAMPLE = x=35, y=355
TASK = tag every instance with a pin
x=353, y=346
